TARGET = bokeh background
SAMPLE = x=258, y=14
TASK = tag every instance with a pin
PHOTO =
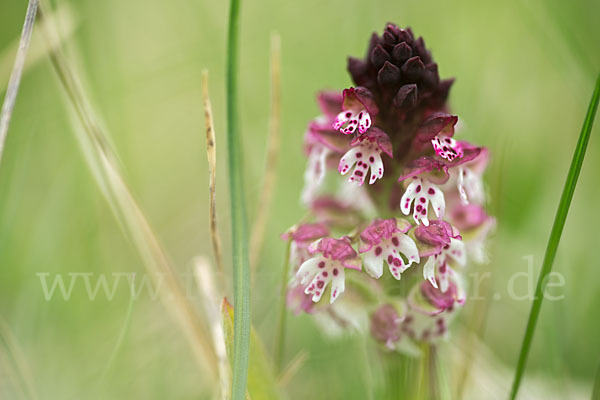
x=525, y=72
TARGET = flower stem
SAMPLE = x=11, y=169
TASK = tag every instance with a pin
x=555, y=234
x=280, y=337
x=241, y=269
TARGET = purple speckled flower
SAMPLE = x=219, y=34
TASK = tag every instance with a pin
x=330, y=258
x=385, y=241
x=408, y=192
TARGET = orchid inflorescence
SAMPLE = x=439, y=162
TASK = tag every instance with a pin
x=421, y=213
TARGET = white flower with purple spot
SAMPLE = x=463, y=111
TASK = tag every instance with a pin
x=366, y=154
x=332, y=257
x=385, y=240
x=347, y=121
x=446, y=147
x=437, y=267
x=422, y=192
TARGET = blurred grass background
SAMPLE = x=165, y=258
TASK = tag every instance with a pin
x=524, y=70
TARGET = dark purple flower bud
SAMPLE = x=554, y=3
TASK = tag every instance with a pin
x=421, y=50
x=389, y=75
x=412, y=70
x=401, y=53
x=385, y=324
x=379, y=56
x=374, y=41
x=431, y=77
x=388, y=38
x=407, y=96
x=358, y=70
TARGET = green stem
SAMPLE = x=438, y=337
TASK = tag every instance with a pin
x=241, y=270
x=555, y=234
x=281, y=331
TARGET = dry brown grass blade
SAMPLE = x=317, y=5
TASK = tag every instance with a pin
x=266, y=193
x=211, y=153
x=102, y=161
x=15, y=76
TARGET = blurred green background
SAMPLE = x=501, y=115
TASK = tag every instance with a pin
x=524, y=70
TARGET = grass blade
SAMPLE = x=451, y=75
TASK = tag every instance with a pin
x=17, y=71
x=556, y=232
x=241, y=268
x=205, y=278
x=268, y=186
x=102, y=161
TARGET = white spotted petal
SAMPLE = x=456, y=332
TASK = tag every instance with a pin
x=422, y=193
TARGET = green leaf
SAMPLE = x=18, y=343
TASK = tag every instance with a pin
x=555, y=234
x=239, y=235
x=261, y=378
x=596, y=392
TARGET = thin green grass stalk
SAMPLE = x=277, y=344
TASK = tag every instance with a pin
x=122, y=333
x=553, y=241
x=281, y=331
x=241, y=267
x=15, y=76
x=596, y=391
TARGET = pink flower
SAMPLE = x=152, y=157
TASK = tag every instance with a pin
x=331, y=258
x=385, y=240
x=366, y=154
x=357, y=108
